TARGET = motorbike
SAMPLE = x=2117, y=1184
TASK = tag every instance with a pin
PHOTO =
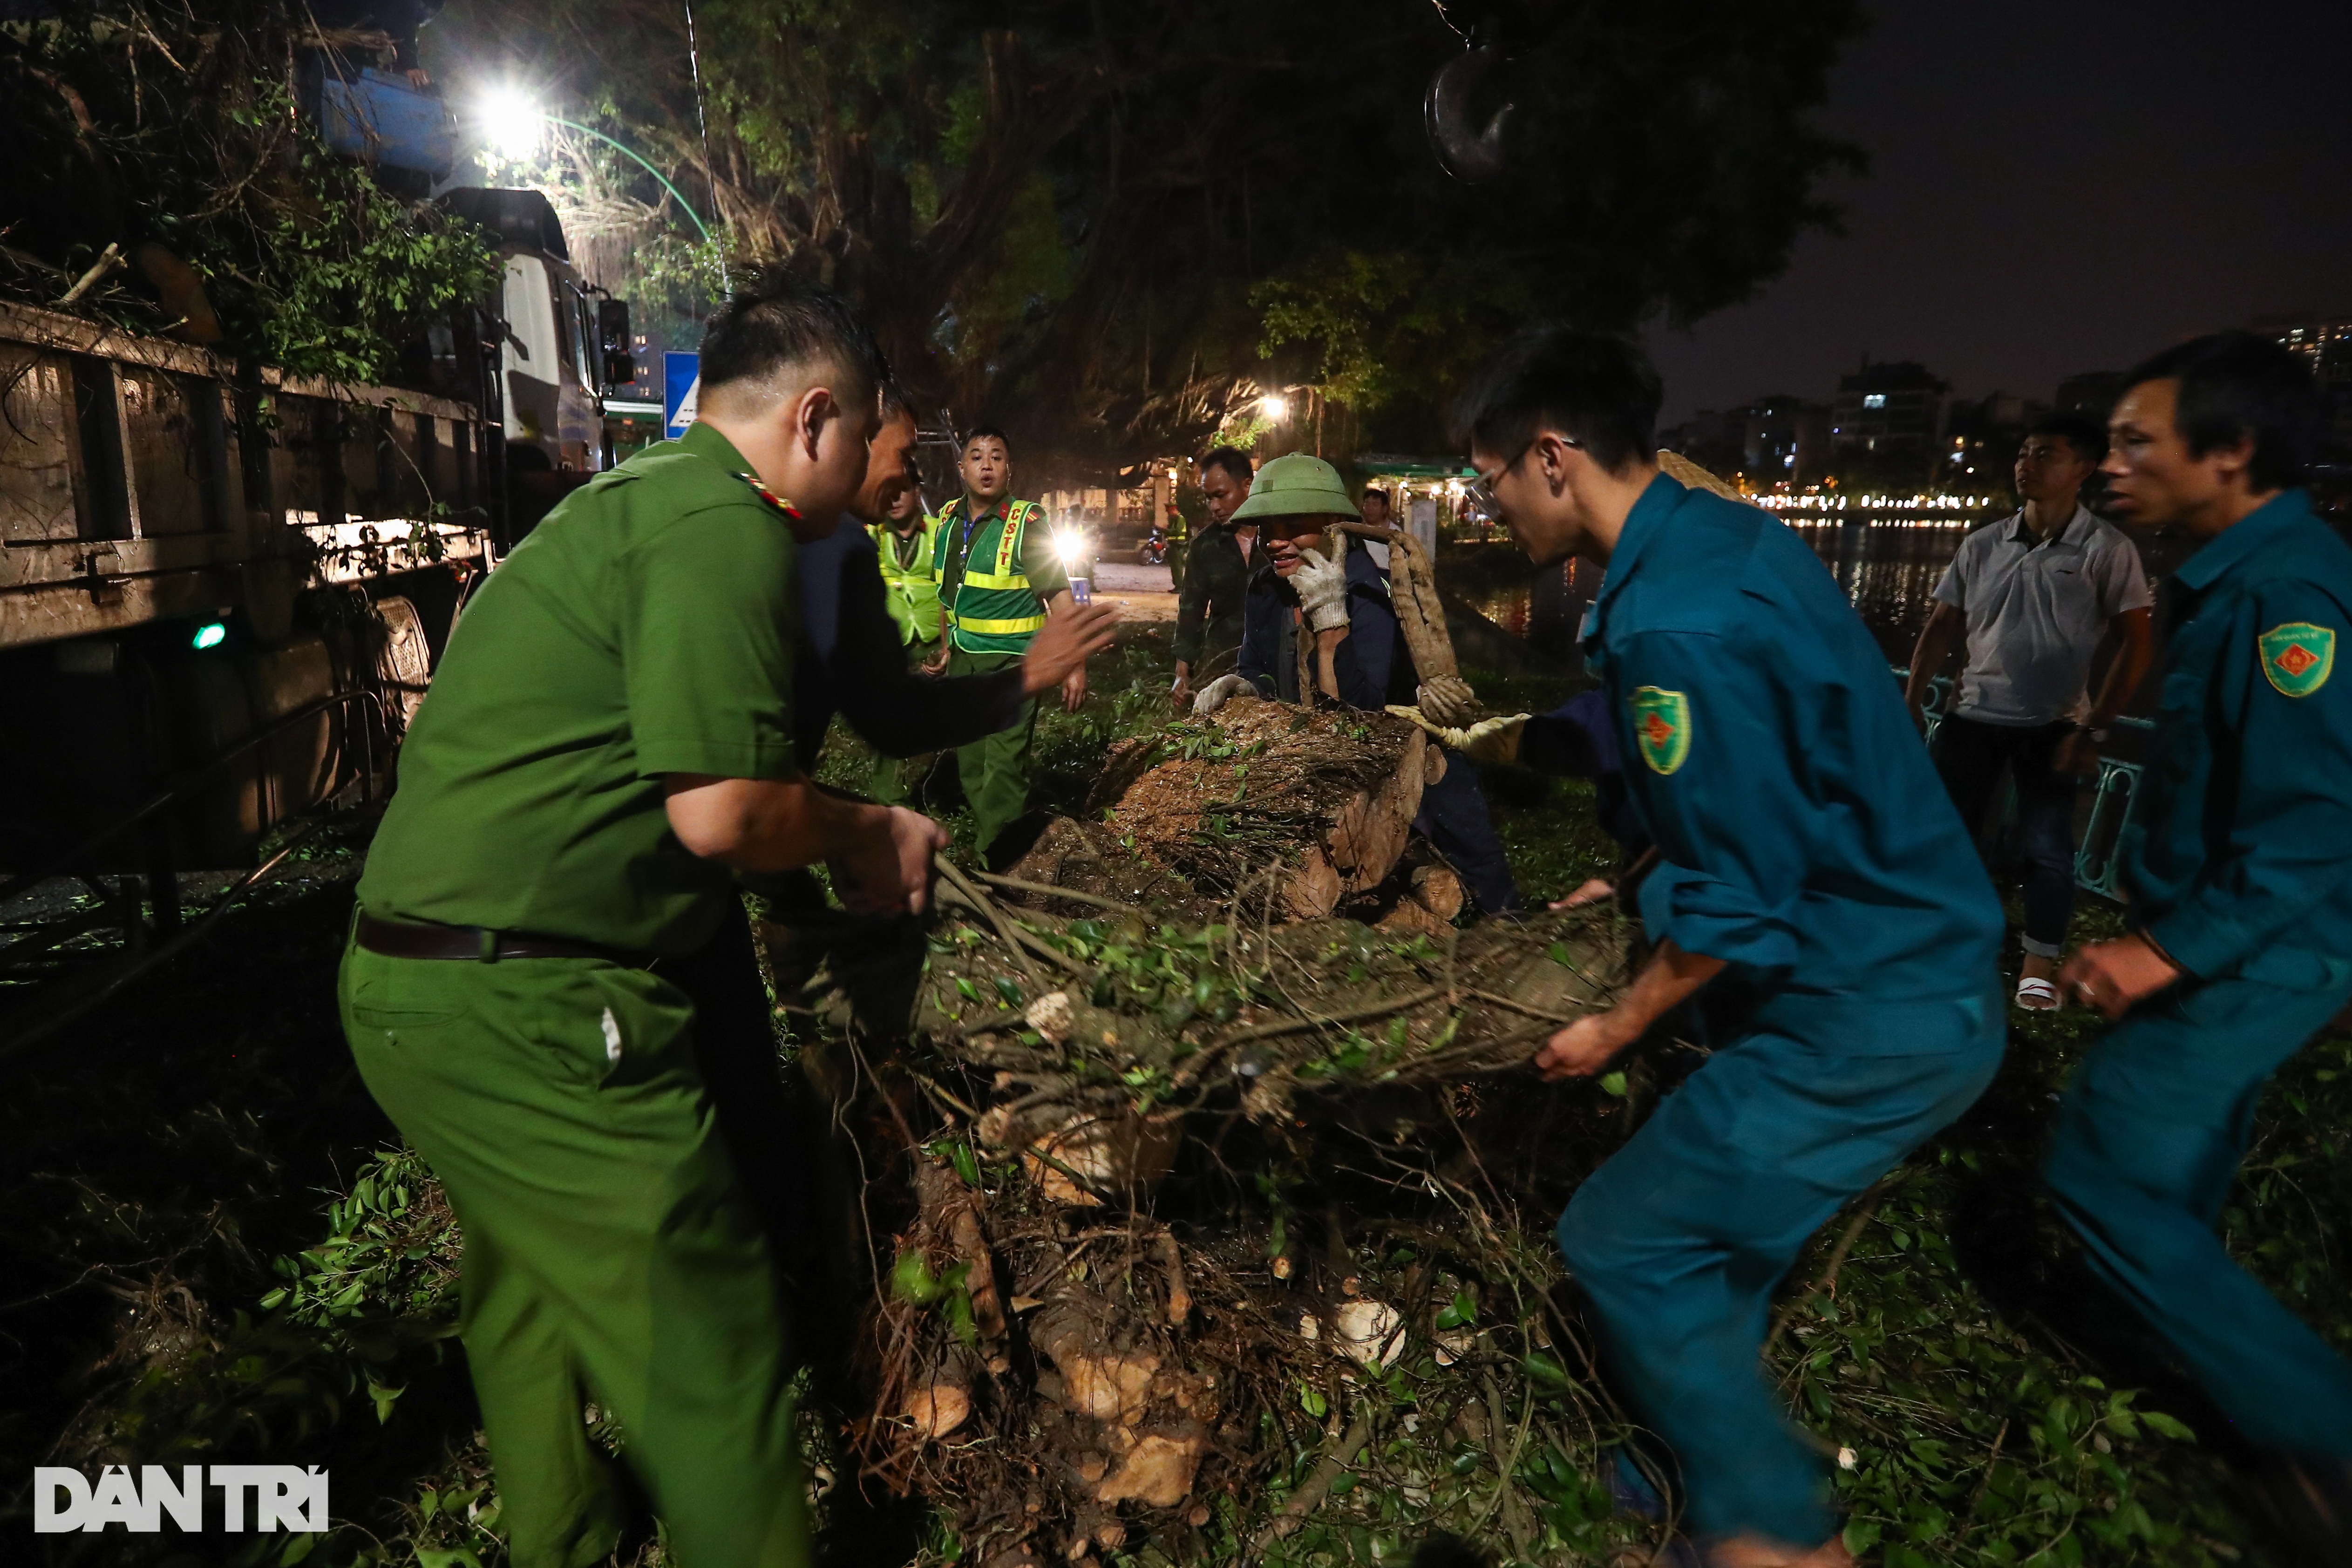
x=1153, y=551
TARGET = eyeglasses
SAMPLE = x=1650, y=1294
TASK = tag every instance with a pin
x=1481, y=490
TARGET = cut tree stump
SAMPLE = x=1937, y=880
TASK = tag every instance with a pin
x=1284, y=810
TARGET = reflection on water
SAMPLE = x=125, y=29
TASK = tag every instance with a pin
x=1888, y=566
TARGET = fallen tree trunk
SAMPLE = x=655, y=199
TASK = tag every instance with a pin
x=1270, y=808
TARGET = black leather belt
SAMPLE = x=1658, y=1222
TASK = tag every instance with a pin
x=399, y=939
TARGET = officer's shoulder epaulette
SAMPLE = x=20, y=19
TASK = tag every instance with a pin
x=767, y=496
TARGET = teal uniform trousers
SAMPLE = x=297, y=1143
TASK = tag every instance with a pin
x=2149, y=1141
x=1679, y=1240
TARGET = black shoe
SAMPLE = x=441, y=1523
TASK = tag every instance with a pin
x=2306, y=1503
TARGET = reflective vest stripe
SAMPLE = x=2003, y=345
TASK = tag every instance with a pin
x=980, y=626
x=993, y=579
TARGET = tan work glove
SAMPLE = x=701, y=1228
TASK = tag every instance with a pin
x=1494, y=741
x=1448, y=700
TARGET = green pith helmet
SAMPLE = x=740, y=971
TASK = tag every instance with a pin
x=1295, y=485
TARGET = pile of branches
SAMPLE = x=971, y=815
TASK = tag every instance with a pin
x=1214, y=1235
x=166, y=181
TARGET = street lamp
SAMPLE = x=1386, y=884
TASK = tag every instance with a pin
x=514, y=125
x=1275, y=406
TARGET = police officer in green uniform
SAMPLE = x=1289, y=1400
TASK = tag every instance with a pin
x=608, y=741
x=2239, y=867
x=1814, y=891
x=997, y=573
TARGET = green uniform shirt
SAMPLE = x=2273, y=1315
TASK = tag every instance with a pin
x=981, y=538
x=645, y=628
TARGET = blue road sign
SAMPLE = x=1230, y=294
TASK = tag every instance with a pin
x=681, y=387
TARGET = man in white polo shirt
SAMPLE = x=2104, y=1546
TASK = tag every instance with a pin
x=2032, y=596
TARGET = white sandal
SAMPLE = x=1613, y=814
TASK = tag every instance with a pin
x=2037, y=996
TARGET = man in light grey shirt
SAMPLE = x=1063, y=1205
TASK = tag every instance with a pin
x=2032, y=596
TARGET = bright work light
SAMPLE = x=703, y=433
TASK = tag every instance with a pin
x=1274, y=405
x=1071, y=546
x=211, y=635
x=512, y=124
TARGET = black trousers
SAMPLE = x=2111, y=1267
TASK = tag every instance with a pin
x=1970, y=756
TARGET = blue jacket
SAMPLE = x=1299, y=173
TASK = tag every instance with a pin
x=2239, y=857
x=1803, y=836
x=1373, y=667
x=852, y=659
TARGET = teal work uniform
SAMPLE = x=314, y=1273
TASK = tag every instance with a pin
x=644, y=629
x=2239, y=866
x=1803, y=840
x=997, y=570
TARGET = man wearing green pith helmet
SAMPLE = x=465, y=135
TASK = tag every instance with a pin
x=998, y=574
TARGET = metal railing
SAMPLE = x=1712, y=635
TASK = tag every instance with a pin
x=2115, y=796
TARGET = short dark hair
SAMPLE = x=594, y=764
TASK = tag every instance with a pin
x=896, y=404
x=2238, y=384
x=775, y=320
x=1233, y=460
x=1372, y=490
x=2087, y=436
x=979, y=431
x=1600, y=390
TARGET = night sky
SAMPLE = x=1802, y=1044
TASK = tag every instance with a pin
x=2054, y=187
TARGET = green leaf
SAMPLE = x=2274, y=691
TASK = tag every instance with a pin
x=1007, y=989
x=299, y=1546
x=1311, y=1400
x=1613, y=1084
x=965, y=989
x=2165, y=1425
x=1545, y=1368
x=911, y=1280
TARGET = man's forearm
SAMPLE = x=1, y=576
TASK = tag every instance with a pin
x=1669, y=979
x=765, y=824
x=1928, y=657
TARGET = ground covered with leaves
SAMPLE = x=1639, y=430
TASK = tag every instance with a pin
x=217, y=1251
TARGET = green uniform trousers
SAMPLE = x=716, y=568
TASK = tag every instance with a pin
x=996, y=769
x=2149, y=1138
x=610, y=1253
x=1678, y=1240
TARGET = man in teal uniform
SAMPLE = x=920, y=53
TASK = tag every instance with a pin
x=2240, y=873
x=998, y=575
x=609, y=739
x=1813, y=877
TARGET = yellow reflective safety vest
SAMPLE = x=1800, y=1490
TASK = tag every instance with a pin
x=911, y=583
x=995, y=610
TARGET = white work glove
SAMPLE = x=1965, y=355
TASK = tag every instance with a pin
x=1448, y=700
x=1322, y=587
x=1495, y=741
x=1213, y=695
